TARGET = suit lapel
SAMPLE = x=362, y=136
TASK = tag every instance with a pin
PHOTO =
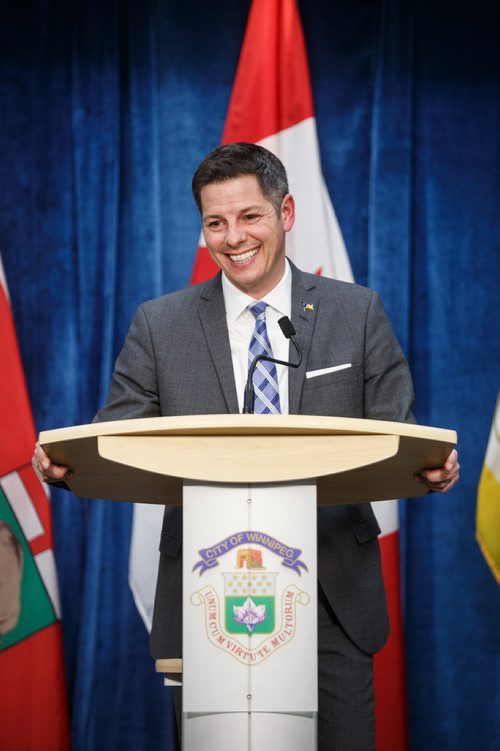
x=213, y=321
x=305, y=304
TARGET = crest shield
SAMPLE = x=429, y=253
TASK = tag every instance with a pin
x=250, y=597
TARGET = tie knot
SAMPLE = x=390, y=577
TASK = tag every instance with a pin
x=258, y=309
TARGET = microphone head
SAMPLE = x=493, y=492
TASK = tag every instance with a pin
x=286, y=326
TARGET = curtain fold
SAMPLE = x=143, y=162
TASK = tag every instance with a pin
x=106, y=111
x=455, y=346
x=391, y=161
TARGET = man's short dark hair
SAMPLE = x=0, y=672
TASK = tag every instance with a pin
x=238, y=159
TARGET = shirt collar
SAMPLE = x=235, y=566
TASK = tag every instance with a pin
x=279, y=298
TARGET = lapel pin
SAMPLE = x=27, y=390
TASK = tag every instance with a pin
x=308, y=306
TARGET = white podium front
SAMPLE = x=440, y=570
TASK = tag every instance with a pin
x=249, y=615
x=249, y=485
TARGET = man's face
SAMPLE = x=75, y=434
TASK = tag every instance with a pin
x=244, y=234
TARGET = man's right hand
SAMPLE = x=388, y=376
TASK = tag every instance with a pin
x=45, y=470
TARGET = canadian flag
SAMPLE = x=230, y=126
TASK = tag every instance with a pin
x=271, y=104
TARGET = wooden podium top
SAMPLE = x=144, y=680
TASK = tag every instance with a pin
x=146, y=460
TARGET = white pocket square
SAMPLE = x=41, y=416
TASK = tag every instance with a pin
x=324, y=371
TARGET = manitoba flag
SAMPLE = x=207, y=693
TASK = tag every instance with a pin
x=271, y=104
x=32, y=688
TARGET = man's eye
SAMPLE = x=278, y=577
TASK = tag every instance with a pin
x=215, y=224
x=251, y=217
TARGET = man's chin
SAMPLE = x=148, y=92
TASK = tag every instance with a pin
x=245, y=277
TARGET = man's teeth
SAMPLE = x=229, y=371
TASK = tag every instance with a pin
x=243, y=256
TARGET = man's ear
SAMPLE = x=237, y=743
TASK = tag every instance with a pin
x=288, y=212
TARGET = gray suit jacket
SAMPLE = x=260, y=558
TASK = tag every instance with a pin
x=176, y=360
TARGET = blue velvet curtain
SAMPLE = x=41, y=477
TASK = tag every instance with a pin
x=106, y=109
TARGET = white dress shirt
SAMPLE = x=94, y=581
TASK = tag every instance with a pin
x=241, y=324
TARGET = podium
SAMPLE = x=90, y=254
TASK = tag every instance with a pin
x=249, y=485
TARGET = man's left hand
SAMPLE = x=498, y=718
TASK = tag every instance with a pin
x=443, y=479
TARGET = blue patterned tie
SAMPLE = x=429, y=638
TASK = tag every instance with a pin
x=265, y=377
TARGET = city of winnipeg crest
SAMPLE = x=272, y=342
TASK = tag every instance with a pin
x=247, y=613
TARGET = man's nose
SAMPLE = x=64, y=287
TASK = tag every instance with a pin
x=235, y=235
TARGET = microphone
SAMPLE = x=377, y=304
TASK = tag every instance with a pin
x=288, y=331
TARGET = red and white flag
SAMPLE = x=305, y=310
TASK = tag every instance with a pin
x=271, y=104
x=32, y=689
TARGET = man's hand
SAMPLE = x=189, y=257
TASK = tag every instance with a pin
x=442, y=479
x=47, y=471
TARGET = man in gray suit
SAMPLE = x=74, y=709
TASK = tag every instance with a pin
x=187, y=353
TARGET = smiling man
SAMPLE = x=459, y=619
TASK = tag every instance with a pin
x=189, y=353
x=245, y=232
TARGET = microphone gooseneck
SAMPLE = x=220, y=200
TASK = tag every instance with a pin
x=288, y=331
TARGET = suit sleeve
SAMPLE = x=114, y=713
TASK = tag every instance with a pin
x=134, y=387
x=389, y=391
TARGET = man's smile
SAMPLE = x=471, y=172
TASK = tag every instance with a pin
x=245, y=256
